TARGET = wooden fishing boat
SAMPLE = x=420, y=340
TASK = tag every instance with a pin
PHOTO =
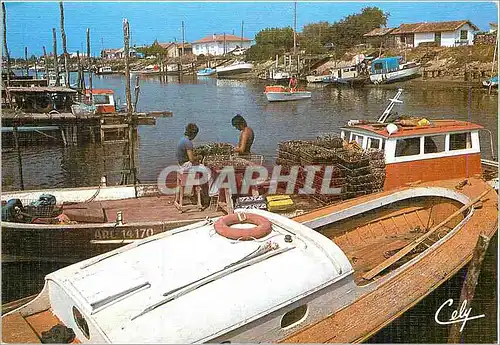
x=98, y=220
x=391, y=69
x=279, y=93
x=372, y=258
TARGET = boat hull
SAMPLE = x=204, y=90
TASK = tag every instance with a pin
x=234, y=69
x=399, y=75
x=287, y=96
x=23, y=242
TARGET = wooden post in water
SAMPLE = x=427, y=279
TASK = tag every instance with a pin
x=19, y=160
x=136, y=89
x=79, y=66
x=5, y=49
x=131, y=127
x=89, y=66
x=56, y=63
x=65, y=51
x=46, y=63
x=36, y=70
x=27, y=66
x=470, y=283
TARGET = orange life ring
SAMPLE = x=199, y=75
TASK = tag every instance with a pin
x=262, y=226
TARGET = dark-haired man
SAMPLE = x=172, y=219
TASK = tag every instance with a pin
x=184, y=151
x=246, y=136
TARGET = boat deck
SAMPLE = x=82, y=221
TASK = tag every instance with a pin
x=28, y=329
x=149, y=209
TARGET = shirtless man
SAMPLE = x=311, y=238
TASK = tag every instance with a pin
x=246, y=135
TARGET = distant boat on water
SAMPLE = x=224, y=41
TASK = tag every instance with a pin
x=206, y=72
x=235, y=68
x=279, y=93
x=491, y=82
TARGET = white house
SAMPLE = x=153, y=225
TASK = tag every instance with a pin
x=220, y=44
x=444, y=34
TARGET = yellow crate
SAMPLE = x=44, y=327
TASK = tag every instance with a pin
x=280, y=205
x=277, y=197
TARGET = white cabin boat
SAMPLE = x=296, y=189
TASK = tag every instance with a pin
x=193, y=285
x=390, y=69
x=235, y=68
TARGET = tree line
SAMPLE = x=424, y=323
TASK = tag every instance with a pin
x=318, y=38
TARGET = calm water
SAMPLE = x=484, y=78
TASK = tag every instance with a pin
x=211, y=103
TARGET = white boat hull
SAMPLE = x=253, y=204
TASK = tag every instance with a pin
x=287, y=96
x=383, y=78
x=315, y=78
x=234, y=69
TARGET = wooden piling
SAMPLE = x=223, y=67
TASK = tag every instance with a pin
x=65, y=51
x=137, y=90
x=19, y=159
x=79, y=75
x=56, y=62
x=131, y=127
x=46, y=63
x=89, y=66
x=27, y=66
x=6, y=50
x=470, y=283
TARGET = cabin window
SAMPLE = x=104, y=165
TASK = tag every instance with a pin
x=346, y=135
x=294, y=316
x=434, y=143
x=460, y=141
x=407, y=147
x=463, y=34
x=358, y=138
x=373, y=143
x=101, y=99
x=378, y=66
x=81, y=323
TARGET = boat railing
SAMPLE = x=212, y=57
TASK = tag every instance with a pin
x=493, y=156
x=388, y=110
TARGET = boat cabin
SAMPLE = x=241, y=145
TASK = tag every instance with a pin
x=419, y=150
x=103, y=99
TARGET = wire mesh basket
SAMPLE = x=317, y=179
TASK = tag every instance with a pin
x=33, y=208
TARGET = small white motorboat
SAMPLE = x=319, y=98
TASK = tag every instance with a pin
x=278, y=93
x=235, y=68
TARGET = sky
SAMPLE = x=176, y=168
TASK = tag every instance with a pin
x=29, y=24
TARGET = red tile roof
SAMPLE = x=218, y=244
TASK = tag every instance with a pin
x=432, y=27
x=220, y=38
x=377, y=32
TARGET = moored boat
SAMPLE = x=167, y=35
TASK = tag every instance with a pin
x=279, y=93
x=206, y=72
x=106, y=70
x=372, y=258
x=233, y=69
x=491, y=82
x=391, y=69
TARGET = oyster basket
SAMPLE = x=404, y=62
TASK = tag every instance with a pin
x=31, y=208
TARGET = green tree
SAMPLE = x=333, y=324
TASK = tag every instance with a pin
x=314, y=37
x=349, y=31
x=269, y=42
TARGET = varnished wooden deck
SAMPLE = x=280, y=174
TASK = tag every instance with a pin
x=19, y=329
x=393, y=295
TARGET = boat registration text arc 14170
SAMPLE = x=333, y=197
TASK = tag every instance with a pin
x=120, y=233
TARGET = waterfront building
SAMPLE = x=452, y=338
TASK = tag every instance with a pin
x=220, y=44
x=443, y=34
